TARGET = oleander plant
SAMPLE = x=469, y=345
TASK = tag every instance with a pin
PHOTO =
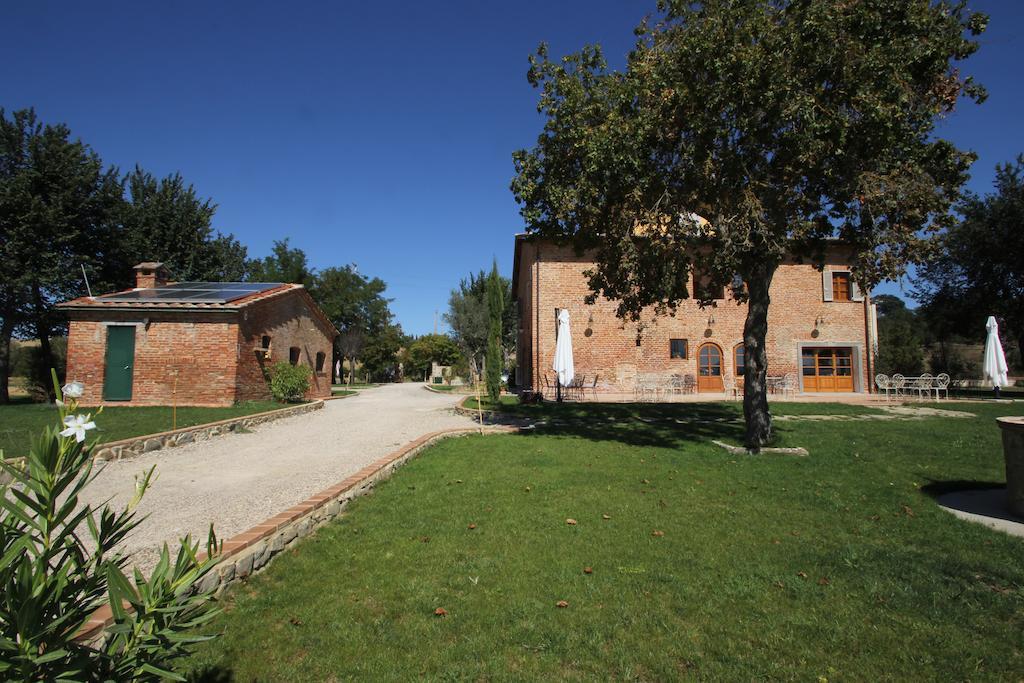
x=60, y=562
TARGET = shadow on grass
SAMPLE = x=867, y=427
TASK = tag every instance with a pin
x=212, y=674
x=985, y=498
x=635, y=424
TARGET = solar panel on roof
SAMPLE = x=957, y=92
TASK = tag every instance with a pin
x=193, y=292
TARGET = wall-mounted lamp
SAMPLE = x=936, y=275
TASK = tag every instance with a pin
x=819, y=322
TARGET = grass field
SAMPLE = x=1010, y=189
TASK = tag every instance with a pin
x=704, y=565
x=22, y=421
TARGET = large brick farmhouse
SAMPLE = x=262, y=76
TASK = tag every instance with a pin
x=821, y=328
x=195, y=343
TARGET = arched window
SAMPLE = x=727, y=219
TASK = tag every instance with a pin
x=739, y=357
x=320, y=358
x=293, y=355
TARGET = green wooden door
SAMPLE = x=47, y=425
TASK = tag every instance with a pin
x=120, y=359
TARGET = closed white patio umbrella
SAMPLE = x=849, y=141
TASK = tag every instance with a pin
x=994, y=369
x=563, y=365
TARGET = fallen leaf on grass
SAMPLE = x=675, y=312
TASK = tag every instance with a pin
x=425, y=539
x=571, y=521
x=776, y=541
x=802, y=575
x=823, y=581
x=645, y=481
x=472, y=526
x=657, y=532
x=907, y=511
x=527, y=489
x=440, y=612
x=295, y=621
x=606, y=516
x=562, y=603
x=588, y=570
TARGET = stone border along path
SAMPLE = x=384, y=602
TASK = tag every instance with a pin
x=240, y=479
x=901, y=413
x=251, y=550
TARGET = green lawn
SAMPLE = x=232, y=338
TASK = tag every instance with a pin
x=21, y=422
x=839, y=566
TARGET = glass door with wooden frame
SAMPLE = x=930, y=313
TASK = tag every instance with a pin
x=709, y=368
x=827, y=369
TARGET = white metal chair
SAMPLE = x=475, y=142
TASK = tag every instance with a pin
x=788, y=385
x=923, y=385
x=897, y=384
x=883, y=384
x=941, y=385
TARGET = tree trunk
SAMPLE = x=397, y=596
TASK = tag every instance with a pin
x=45, y=349
x=755, y=388
x=6, y=331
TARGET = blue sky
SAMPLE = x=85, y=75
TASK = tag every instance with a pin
x=378, y=134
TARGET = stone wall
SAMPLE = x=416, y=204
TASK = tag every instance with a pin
x=129, y=448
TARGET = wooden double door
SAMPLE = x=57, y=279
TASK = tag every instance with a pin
x=827, y=369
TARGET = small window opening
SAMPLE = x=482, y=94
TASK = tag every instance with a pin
x=265, y=341
x=677, y=348
x=320, y=358
x=293, y=355
x=841, y=287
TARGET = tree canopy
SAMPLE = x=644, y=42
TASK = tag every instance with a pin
x=165, y=220
x=468, y=317
x=284, y=264
x=422, y=351
x=745, y=131
x=978, y=270
x=58, y=209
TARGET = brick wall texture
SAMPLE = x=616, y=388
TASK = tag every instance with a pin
x=550, y=277
x=202, y=357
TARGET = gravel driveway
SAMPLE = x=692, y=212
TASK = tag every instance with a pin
x=237, y=480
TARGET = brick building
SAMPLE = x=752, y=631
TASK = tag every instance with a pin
x=821, y=329
x=202, y=344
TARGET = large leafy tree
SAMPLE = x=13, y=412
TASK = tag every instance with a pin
x=468, y=317
x=430, y=348
x=745, y=131
x=356, y=305
x=284, y=264
x=899, y=337
x=979, y=268
x=58, y=214
x=165, y=220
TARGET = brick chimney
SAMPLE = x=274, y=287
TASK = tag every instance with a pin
x=150, y=274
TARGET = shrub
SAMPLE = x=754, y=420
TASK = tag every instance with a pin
x=289, y=382
x=52, y=581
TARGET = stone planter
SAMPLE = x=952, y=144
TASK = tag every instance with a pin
x=1013, y=452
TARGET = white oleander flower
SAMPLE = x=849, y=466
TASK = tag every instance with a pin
x=77, y=425
x=73, y=389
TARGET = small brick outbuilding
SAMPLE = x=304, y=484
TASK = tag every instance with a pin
x=194, y=343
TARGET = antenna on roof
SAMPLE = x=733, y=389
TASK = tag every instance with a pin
x=87, y=287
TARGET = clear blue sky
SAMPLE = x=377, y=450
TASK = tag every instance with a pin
x=373, y=133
